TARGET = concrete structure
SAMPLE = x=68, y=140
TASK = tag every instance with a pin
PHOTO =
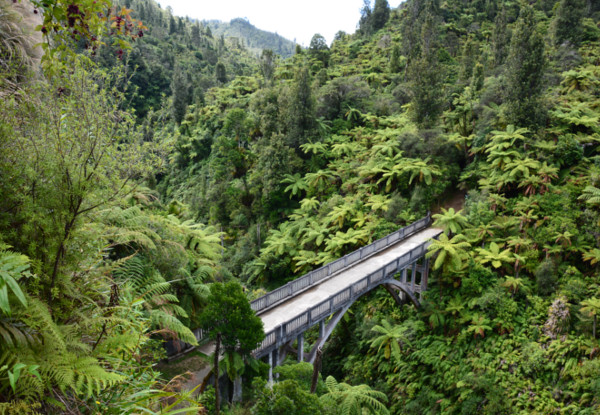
x=321, y=297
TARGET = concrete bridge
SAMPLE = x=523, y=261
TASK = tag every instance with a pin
x=321, y=297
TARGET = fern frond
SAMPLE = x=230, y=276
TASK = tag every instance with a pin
x=168, y=322
x=174, y=310
x=90, y=378
x=591, y=195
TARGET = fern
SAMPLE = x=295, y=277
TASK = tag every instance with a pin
x=12, y=268
x=591, y=195
x=353, y=400
x=172, y=324
x=160, y=303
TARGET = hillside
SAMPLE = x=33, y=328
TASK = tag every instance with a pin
x=153, y=174
x=254, y=39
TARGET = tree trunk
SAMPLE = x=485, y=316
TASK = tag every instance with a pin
x=316, y=368
x=237, y=389
x=216, y=372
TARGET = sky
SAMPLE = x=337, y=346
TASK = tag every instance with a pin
x=292, y=19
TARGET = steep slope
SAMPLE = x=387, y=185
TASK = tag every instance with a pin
x=251, y=37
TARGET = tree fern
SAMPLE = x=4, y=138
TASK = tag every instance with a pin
x=353, y=400
x=591, y=195
x=161, y=305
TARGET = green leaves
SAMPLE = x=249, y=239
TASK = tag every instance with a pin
x=296, y=184
x=12, y=268
x=352, y=400
x=452, y=222
x=15, y=373
x=451, y=253
x=494, y=255
x=228, y=314
x=389, y=339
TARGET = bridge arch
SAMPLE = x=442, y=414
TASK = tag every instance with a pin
x=404, y=285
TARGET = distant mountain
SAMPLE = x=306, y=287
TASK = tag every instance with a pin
x=253, y=39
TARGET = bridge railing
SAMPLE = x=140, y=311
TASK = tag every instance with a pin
x=288, y=330
x=316, y=276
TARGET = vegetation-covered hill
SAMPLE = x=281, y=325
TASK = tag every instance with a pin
x=116, y=219
x=254, y=39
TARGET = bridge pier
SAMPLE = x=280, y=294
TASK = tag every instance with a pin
x=301, y=347
x=325, y=332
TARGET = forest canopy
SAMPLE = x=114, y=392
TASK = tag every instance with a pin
x=152, y=168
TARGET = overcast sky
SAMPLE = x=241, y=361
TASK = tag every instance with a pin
x=292, y=19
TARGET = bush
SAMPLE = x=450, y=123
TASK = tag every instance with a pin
x=545, y=277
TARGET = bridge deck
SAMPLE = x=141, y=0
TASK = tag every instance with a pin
x=297, y=305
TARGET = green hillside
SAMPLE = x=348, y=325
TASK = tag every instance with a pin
x=253, y=39
x=153, y=176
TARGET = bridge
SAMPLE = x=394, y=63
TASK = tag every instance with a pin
x=397, y=262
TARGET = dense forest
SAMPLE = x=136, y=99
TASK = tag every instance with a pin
x=154, y=173
x=254, y=39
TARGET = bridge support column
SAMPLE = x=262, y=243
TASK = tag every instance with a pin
x=425, y=275
x=301, y=347
x=270, y=369
x=273, y=362
x=325, y=332
x=276, y=362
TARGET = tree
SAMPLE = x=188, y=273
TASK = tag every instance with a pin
x=380, y=15
x=180, y=88
x=299, y=112
x=318, y=49
x=591, y=307
x=494, y=256
x=452, y=222
x=389, y=339
x=567, y=21
x=267, y=64
x=395, y=59
x=451, y=252
x=105, y=153
x=500, y=38
x=364, y=23
x=352, y=400
x=525, y=71
x=230, y=323
x=196, y=34
x=220, y=73
x=284, y=398
x=425, y=74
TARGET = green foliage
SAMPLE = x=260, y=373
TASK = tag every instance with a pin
x=286, y=397
x=352, y=400
x=254, y=39
x=228, y=315
x=297, y=162
x=13, y=267
x=567, y=21
x=525, y=65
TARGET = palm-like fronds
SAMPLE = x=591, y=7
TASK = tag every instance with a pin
x=591, y=195
x=352, y=400
x=450, y=221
